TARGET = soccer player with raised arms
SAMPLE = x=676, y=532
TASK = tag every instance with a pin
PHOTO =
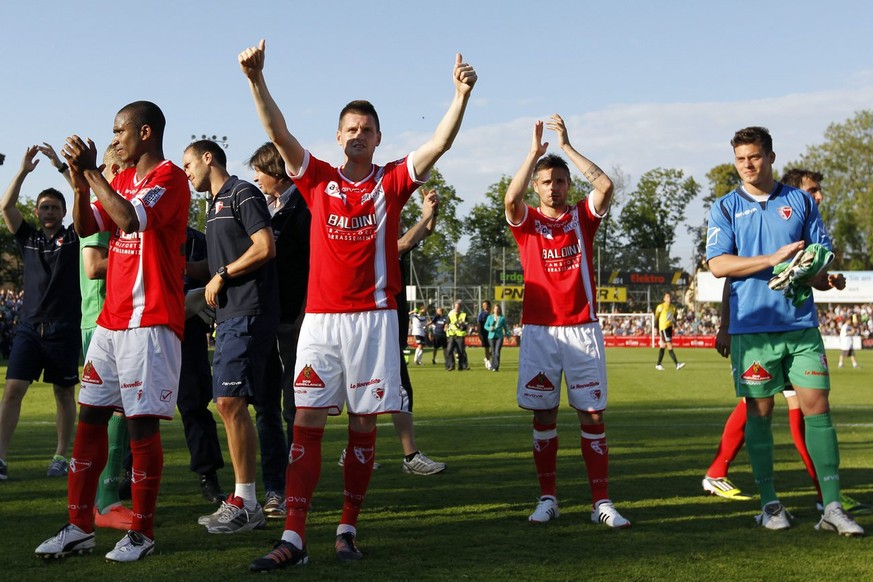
x=347, y=352
x=562, y=335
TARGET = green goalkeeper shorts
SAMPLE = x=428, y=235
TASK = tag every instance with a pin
x=763, y=363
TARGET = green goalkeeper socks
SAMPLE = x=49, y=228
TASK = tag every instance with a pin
x=107, y=490
x=821, y=441
x=759, y=445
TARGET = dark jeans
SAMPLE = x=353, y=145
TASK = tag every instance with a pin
x=456, y=344
x=195, y=393
x=496, y=344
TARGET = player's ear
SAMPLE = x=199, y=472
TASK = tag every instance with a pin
x=378, y=138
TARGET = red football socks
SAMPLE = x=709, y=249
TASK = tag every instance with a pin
x=596, y=454
x=545, y=454
x=145, y=480
x=357, y=470
x=732, y=440
x=301, y=477
x=90, y=450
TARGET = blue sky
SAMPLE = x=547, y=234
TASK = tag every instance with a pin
x=640, y=84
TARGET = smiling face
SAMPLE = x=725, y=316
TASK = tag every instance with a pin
x=754, y=165
x=358, y=135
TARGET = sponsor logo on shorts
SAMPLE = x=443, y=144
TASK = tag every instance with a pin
x=308, y=378
x=596, y=394
x=364, y=454
x=151, y=197
x=357, y=385
x=139, y=395
x=815, y=373
x=823, y=358
x=785, y=212
x=165, y=395
x=77, y=466
x=90, y=375
x=136, y=384
x=591, y=384
x=756, y=374
x=296, y=453
x=540, y=382
x=136, y=476
x=378, y=392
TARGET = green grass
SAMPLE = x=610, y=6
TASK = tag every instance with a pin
x=470, y=522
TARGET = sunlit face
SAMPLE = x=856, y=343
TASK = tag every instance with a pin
x=754, y=165
x=49, y=212
x=197, y=170
x=813, y=187
x=358, y=137
x=267, y=183
x=126, y=138
x=552, y=186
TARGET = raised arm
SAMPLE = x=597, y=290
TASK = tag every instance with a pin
x=424, y=227
x=602, y=194
x=464, y=77
x=9, y=202
x=48, y=151
x=251, y=61
x=513, y=201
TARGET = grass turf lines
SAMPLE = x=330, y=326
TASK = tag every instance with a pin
x=471, y=521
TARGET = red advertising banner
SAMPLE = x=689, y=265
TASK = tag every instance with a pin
x=642, y=341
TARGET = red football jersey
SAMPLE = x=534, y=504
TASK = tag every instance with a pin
x=146, y=268
x=354, y=264
x=559, y=284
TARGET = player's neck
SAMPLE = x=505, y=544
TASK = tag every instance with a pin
x=553, y=212
x=148, y=162
x=356, y=170
x=764, y=188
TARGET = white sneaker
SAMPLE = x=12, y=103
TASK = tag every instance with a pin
x=230, y=518
x=487, y=364
x=422, y=465
x=680, y=365
x=606, y=513
x=774, y=516
x=132, y=547
x=547, y=510
x=836, y=519
x=659, y=367
x=69, y=540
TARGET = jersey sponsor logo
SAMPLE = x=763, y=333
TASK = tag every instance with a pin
x=90, y=375
x=137, y=476
x=746, y=212
x=333, y=190
x=351, y=222
x=296, y=453
x=540, y=382
x=562, y=253
x=543, y=230
x=364, y=454
x=151, y=196
x=571, y=226
x=79, y=466
x=756, y=374
x=378, y=392
x=785, y=212
x=712, y=236
x=308, y=378
x=166, y=395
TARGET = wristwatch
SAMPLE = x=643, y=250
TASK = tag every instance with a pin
x=222, y=272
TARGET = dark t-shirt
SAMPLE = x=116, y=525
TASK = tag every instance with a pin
x=291, y=233
x=235, y=213
x=51, y=275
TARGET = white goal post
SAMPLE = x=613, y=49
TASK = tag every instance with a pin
x=640, y=325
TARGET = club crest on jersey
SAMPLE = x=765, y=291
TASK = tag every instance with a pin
x=90, y=375
x=785, y=212
x=218, y=206
x=296, y=453
x=77, y=466
x=364, y=454
x=308, y=378
x=540, y=382
x=59, y=242
x=756, y=374
x=151, y=197
x=378, y=392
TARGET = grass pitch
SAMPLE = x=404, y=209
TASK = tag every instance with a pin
x=471, y=521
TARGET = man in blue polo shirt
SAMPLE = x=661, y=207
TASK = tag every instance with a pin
x=47, y=339
x=773, y=341
x=243, y=292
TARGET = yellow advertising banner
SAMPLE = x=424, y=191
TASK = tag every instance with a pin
x=604, y=294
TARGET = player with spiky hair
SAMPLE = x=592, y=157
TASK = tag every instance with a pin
x=562, y=335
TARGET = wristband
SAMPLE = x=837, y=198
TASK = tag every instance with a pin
x=63, y=168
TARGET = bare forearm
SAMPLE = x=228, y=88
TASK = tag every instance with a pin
x=513, y=200
x=420, y=231
x=443, y=137
x=735, y=267
x=119, y=210
x=256, y=256
x=274, y=124
x=602, y=183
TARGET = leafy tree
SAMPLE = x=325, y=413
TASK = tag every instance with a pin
x=846, y=160
x=647, y=222
x=723, y=178
x=11, y=266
